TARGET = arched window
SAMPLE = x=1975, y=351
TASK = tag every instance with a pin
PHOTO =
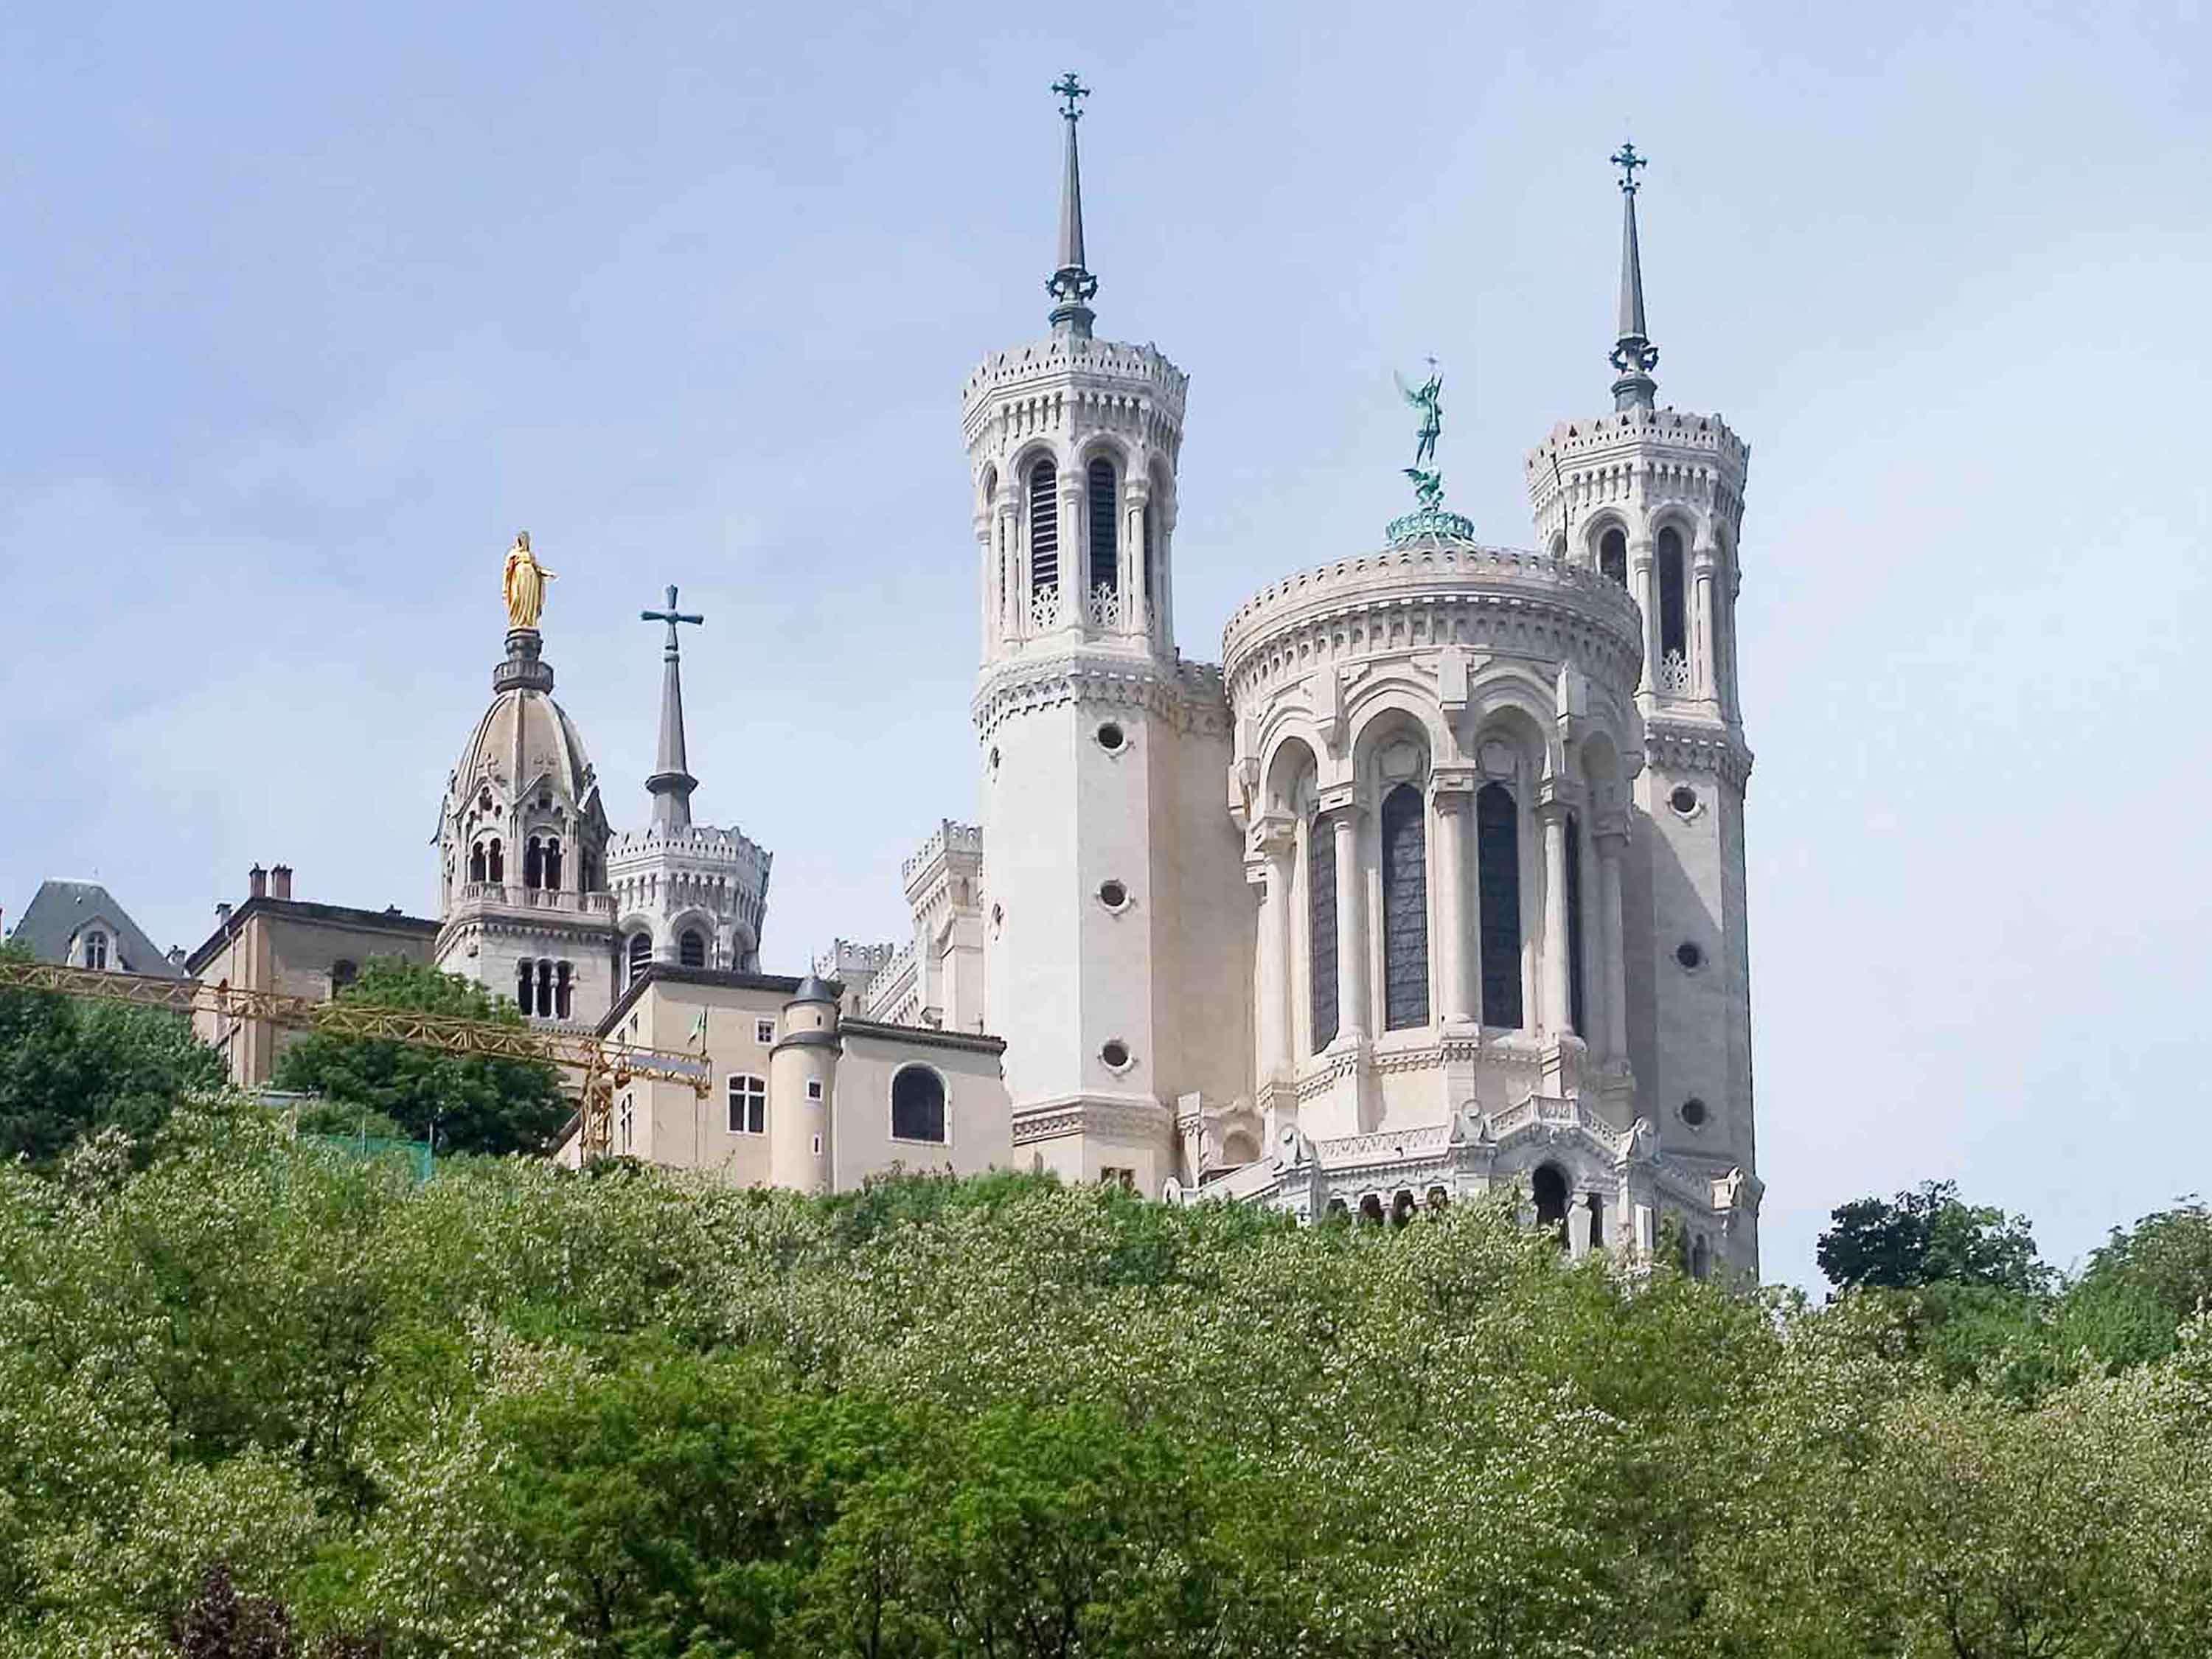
x=1673, y=634
x=1497, y=887
x=534, y=864
x=563, y=989
x=1405, y=909
x=525, y=986
x=691, y=948
x=477, y=862
x=1320, y=938
x=1613, y=556
x=917, y=1104
x=641, y=956
x=342, y=974
x=1576, y=1010
x=553, y=865
x=1548, y=1187
x=1105, y=513
x=545, y=990
x=1701, y=1260
x=1044, y=528
x=496, y=863
x=1596, y=1222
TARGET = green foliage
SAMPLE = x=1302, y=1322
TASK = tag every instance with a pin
x=1928, y=1236
x=475, y=1103
x=512, y=1410
x=70, y=1067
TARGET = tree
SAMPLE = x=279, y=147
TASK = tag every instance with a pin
x=68, y=1067
x=1930, y=1236
x=476, y=1103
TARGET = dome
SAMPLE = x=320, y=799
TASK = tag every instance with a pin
x=526, y=739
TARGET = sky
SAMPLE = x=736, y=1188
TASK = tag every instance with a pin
x=304, y=311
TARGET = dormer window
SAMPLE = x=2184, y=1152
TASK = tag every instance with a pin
x=95, y=949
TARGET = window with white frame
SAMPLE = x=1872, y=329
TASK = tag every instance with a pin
x=763, y=1030
x=748, y=1105
x=95, y=949
x=814, y=1088
x=628, y=1124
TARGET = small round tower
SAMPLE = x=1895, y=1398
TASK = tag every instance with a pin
x=802, y=1082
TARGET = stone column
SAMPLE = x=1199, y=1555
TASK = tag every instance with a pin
x=1074, y=551
x=1643, y=581
x=1455, y=979
x=1137, y=608
x=1612, y=842
x=1702, y=621
x=1350, y=924
x=1278, y=845
x=1559, y=1004
x=1013, y=594
x=994, y=603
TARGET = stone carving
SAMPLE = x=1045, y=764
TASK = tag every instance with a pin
x=523, y=584
x=1674, y=673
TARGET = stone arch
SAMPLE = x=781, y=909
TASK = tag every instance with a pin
x=1381, y=712
x=1288, y=774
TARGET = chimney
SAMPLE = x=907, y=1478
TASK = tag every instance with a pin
x=283, y=873
x=221, y=916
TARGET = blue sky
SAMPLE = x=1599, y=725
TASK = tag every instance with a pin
x=304, y=311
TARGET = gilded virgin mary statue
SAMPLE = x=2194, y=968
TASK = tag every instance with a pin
x=525, y=584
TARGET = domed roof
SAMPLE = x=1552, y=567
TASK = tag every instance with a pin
x=524, y=742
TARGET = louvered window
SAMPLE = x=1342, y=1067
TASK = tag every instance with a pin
x=1105, y=549
x=1673, y=634
x=1044, y=528
x=1497, y=885
x=1321, y=913
x=1405, y=909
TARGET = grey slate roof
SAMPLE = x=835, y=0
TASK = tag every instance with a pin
x=60, y=908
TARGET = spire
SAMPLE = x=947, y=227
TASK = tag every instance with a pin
x=1072, y=285
x=1633, y=354
x=671, y=782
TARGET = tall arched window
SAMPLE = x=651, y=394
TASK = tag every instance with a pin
x=1613, y=556
x=545, y=990
x=691, y=948
x=342, y=974
x=477, y=862
x=495, y=862
x=534, y=864
x=1320, y=937
x=1673, y=634
x=525, y=986
x=1044, y=528
x=552, y=872
x=1105, y=513
x=917, y=1104
x=1576, y=1013
x=641, y=956
x=1405, y=909
x=1498, y=885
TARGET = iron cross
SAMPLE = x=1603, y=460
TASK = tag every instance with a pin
x=672, y=617
x=1627, y=161
x=1071, y=89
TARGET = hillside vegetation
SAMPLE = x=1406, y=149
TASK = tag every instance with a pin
x=258, y=1397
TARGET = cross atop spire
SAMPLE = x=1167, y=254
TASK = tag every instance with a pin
x=1073, y=284
x=1633, y=354
x=671, y=782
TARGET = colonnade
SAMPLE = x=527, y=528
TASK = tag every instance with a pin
x=1454, y=922
x=1141, y=589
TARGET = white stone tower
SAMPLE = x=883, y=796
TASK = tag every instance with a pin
x=522, y=837
x=690, y=894
x=1117, y=929
x=1653, y=498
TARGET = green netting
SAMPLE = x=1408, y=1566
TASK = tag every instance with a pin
x=364, y=1146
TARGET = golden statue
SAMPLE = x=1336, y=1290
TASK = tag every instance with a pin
x=523, y=584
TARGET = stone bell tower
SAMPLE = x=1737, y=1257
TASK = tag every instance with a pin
x=1652, y=497
x=1116, y=929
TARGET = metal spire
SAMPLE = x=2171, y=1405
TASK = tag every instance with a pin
x=671, y=782
x=1072, y=285
x=1633, y=354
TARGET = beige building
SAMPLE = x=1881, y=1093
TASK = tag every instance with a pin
x=275, y=942
x=803, y=1098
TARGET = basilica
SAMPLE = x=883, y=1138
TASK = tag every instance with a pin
x=1434, y=883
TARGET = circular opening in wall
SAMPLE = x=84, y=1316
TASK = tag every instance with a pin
x=1689, y=955
x=1112, y=738
x=1116, y=1054
x=1683, y=800
x=1113, y=895
x=1693, y=1112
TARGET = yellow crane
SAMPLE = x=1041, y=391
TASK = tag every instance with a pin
x=606, y=1065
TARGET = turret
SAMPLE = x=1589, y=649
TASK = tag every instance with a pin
x=802, y=1081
